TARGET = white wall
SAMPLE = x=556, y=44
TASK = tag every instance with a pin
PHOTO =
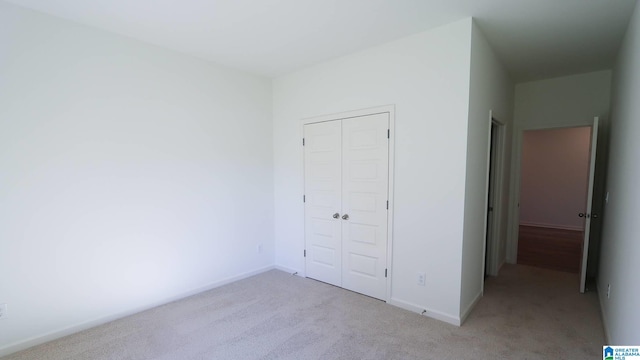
x=553, y=103
x=491, y=92
x=620, y=246
x=564, y=101
x=554, y=180
x=426, y=77
x=129, y=175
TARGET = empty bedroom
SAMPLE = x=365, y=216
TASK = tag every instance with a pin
x=217, y=179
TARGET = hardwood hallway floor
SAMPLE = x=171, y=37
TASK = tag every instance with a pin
x=554, y=249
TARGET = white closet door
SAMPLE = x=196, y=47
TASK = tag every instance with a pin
x=322, y=173
x=365, y=183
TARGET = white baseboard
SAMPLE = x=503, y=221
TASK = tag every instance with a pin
x=56, y=334
x=426, y=312
x=289, y=270
x=553, y=226
x=469, y=308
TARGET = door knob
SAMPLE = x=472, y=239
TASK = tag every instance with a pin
x=345, y=217
x=336, y=215
x=581, y=215
x=594, y=216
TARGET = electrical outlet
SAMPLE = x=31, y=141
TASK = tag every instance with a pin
x=421, y=278
x=259, y=249
x=608, y=290
x=3, y=311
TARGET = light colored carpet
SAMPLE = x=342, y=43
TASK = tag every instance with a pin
x=526, y=313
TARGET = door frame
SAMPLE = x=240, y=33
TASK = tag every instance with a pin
x=390, y=109
x=593, y=150
x=516, y=174
x=493, y=245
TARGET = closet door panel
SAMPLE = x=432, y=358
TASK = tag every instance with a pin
x=365, y=182
x=323, y=182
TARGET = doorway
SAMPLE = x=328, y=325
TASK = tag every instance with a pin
x=493, y=243
x=556, y=183
x=347, y=176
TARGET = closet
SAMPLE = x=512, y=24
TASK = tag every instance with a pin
x=346, y=202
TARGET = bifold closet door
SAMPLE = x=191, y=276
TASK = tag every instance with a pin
x=323, y=185
x=346, y=193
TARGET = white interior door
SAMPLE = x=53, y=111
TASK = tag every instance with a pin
x=323, y=186
x=587, y=223
x=365, y=184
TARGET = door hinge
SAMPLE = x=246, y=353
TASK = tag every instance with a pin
x=305, y=253
x=302, y=141
x=304, y=198
x=387, y=204
x=388, y=133
x=385, y=272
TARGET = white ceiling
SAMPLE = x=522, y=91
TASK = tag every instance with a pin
x=534, y=38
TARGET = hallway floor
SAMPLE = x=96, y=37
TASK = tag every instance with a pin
x=554, y=249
